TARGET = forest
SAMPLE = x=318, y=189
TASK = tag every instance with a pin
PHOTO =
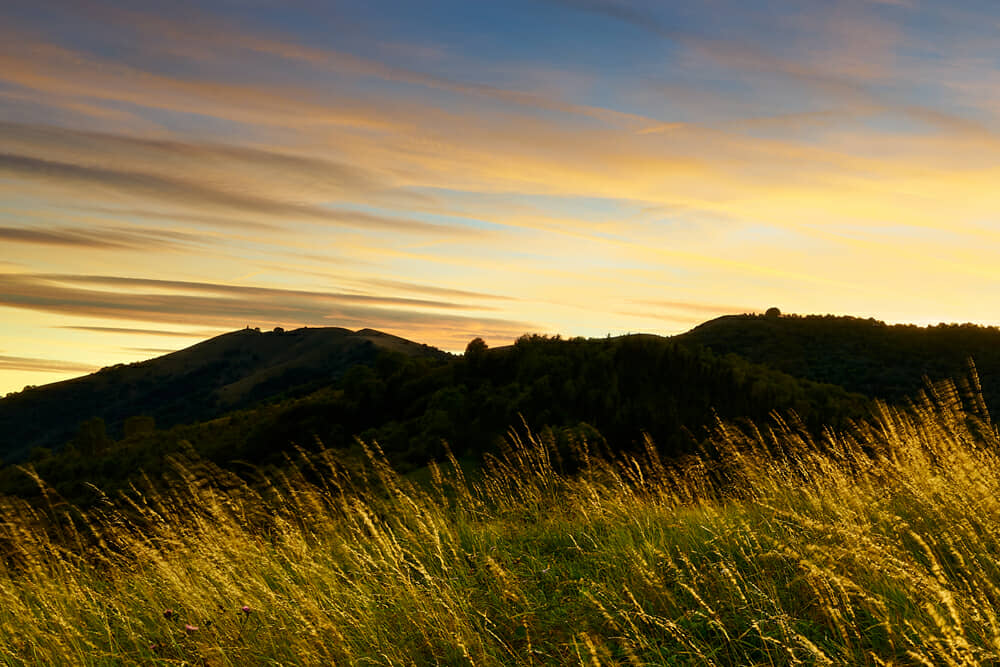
x=627, y=500
x=417, y=403
x=616, y=390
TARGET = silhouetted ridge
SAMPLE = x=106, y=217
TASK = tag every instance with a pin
x=205, y=380
x=862, y=355
x=410, y=399
x=251, y=396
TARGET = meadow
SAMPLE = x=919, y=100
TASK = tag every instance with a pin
x=877, y=545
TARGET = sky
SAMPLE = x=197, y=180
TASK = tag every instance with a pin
x=445, y=170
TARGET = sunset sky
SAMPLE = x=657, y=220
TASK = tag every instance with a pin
x=445, y=170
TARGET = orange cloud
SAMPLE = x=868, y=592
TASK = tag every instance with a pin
x=32, y=364
x=207, y=304
x=473, y=209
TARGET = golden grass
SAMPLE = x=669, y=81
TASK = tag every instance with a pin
x=876, y=547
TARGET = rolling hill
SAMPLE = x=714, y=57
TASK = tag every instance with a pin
x=861, y=355
x=231, y=371
x=332, y=387
x=248, y=397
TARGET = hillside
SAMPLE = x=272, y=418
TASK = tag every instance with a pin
x=211, y=378
x=881, y=549
x=607, y=392
x=249, y=397
x=861, y=355
x=621, y=388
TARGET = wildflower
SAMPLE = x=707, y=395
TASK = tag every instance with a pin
x=246, y=609
x=188, y=628
x=168, y=613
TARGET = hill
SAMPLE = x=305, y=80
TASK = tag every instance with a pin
x=609, y=393
x=206, y=380
x=620, y=388
x=861, y=355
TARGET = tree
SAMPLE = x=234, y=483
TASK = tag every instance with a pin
x=92, y=437
x=476, y=348
x=139, y=425
x=475, y=353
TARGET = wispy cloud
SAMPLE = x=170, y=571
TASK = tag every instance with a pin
x=177, y=191
x=151, y=350
x=15, y=363
x=172, y=166
x=133, y=331
x=241, y=290
x=201, y=36
x=100, y=237
x=841, y=55
x=697, y=307
x=171, y=215
x=233, y=306
x=272, y=169
x=68, y=74
x=431, y=289
x=59, y=237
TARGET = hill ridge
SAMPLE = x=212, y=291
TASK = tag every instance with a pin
x=864, y=355
x=204, y=380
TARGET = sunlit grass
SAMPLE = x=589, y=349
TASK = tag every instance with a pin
x=877, y=547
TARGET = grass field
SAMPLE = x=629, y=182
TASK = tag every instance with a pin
x=876, y=547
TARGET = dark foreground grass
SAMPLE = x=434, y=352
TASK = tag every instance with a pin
x=881, y=547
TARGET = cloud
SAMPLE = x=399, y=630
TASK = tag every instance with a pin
x=274, y=169
x=697, y=307
x=98, y=238
x=430, y=289
x=704, y=170
x=175, y=216
x=203, y=37
x=769, y=156
x=242, y=290
x=113, y=117
x=345, y=110
x=176, y=191
x=14, y=363
x=657, y=320
x=217, y=305
x=59, y=237
x=836, y=54
x=151, y=350
x=626, y=13
x=143, y=332
x=67, y=74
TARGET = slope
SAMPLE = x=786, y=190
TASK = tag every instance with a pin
x=862, y=355
x=607, y=393
x=230, y=371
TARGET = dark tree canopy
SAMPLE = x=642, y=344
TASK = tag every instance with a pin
x=607, y=392
x=476, y=346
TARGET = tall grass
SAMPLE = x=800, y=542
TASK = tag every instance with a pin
x=876, y=547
